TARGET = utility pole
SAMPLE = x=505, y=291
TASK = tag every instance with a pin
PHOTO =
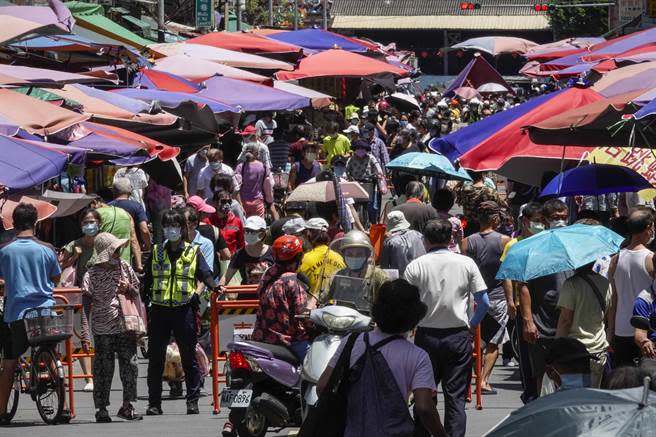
x=295, y=14
x=226, y=14
x=324, y=12
x=270, y=13
x=160, y=21
x=238, y=2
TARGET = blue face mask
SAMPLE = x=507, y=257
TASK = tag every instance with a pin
x=90, y=229
x=172, y=233
x=570, y=381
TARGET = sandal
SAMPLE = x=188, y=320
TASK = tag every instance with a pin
x=489, y=391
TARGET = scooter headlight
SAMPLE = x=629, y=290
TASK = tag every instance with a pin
x=337, y=322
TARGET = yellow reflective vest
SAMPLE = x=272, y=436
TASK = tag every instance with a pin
x=174, y=287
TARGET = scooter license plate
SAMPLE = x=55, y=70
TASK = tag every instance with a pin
x=236, y=398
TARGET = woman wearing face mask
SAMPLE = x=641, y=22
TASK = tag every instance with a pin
x=255, y=184
x=255, y=258
x=77, y=254
x=307, y=168
x=230, y=225
x=172, y=275
x=363, y=167
x=108, y=277
x=357, y=251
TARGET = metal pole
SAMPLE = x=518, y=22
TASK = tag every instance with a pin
x=226, y=14
x=446, y=53
x=295, y=14
x=160, y=21
x=324, y=17
x=270, y=13
x=239, y=15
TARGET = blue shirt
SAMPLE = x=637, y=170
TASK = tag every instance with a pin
x=645, y=306
x=206, y=248
x=27, y=266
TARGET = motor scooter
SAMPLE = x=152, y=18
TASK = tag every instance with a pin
x=264, y=380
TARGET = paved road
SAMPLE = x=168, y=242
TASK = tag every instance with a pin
x=176, y=423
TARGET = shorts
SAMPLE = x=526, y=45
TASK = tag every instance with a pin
x=13, y=339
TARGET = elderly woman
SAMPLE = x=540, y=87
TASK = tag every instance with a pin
x=256, y=186
x=108, y=277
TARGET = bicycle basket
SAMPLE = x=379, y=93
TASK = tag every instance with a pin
x=48, y=325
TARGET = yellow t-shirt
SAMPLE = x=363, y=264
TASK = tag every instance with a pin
x=337, y=145
x=508, y=246
x=313, y=264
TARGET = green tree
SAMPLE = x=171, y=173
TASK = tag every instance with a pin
x=571, y=22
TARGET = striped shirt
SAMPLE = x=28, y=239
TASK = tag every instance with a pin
x=99, y=294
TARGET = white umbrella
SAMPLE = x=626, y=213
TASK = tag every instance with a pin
x=325, y=192
x=492, y=87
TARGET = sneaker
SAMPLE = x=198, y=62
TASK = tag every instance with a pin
x=88, y=387
x=509, y=363
x=128, y=413
x=192, y=407
x=154, y=410
x=102, y=416
x=228, y=430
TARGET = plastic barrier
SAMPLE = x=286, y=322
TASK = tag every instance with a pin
x=476, y=354
x=72, y=296
x=226, y=307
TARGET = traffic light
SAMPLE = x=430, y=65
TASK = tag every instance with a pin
x=464, y=6
x=544, y=7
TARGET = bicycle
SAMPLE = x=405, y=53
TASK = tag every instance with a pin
x=41, y=375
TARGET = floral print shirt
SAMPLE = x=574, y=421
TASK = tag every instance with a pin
x=282, y=297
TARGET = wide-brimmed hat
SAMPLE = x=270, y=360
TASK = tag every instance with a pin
x=249, y=130
x=396, y=221
x=105, y=244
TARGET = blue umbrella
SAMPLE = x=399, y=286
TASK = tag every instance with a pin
x=428, y=164
x=595, y=179
x=558, y=250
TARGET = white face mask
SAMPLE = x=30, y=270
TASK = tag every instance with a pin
x=535, y=227
x=355, y=262
x=557, y=224
x=310, y=156
x=252, y=238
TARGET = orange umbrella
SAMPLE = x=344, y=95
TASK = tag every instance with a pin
x=7, y=207
x=36, y=116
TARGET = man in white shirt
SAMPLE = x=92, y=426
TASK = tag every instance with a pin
x=193, y=166
x=215, y=166
x=448, y=284
x=265, y=127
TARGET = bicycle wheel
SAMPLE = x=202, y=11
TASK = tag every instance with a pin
x=49, y=385
x=12, y=402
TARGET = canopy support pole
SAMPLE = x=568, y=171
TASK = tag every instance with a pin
x=562, y=166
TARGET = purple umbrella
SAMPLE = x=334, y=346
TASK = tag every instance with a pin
x=24, y=164
x=250, y=96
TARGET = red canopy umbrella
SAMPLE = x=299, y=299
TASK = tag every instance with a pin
x=512, y=141
x=339, y=63
x=242, y=42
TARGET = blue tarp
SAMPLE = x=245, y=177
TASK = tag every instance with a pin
x=458, y=143
x=317, y=39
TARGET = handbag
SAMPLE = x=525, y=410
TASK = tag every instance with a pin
x=328, y=417
x=131, y=311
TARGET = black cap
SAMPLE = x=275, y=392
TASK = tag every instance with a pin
x=367, y=127
x=361, y=144
x=338, y=159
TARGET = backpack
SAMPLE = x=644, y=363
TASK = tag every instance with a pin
x=375, y=403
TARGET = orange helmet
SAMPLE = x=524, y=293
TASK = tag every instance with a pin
x=286, y=248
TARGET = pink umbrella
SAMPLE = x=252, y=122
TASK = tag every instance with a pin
x=631, y=78
x=198, y=70
x=467, y=92
x=19, y=22
x=44, y=75
x=222, y=56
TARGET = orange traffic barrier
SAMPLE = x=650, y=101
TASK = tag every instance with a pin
x=476, y=354
x=71, y=296
x=217, y=308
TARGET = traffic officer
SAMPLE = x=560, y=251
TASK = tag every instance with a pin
x=173, y=272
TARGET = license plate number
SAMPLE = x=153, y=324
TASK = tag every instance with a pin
x=236, y=398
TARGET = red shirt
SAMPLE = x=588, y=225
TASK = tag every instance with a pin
x=232, y=230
